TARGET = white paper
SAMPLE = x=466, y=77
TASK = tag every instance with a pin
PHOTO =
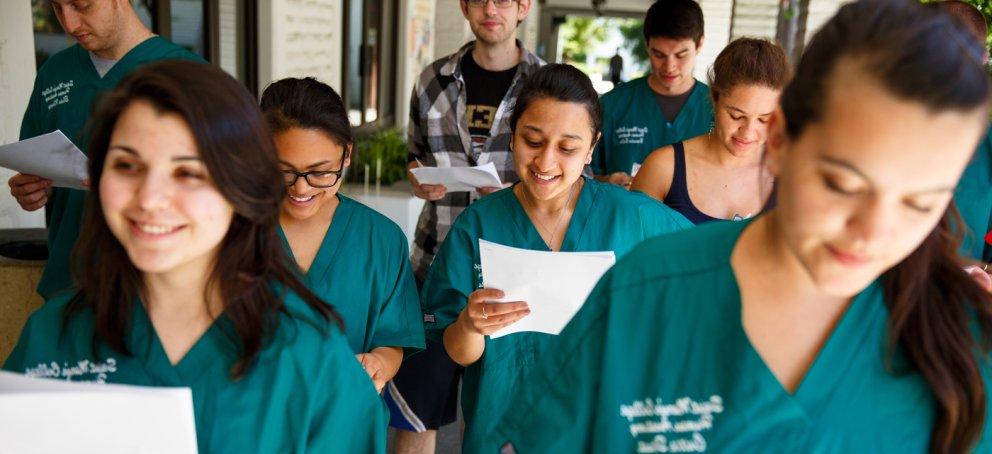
x=50, y=156
x=459, y=178
x=554, y=284
x=634, y=168
x=55, y=416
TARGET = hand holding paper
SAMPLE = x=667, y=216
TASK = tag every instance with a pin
x=553, y=284
x=459, y=178
x=50, y=156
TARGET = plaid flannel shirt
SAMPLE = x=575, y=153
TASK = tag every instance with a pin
x=438, y=136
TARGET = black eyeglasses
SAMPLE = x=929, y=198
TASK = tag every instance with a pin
x=316, y=178
x=498, y=3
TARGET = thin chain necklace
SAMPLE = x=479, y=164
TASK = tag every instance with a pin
x=561, y=215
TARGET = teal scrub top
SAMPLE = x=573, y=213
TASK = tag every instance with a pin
x=606, y=218
x=363, y=269
x=973, y=197
x=658, y=361
x=63, y=97
x=306, y=391
x=634, y=126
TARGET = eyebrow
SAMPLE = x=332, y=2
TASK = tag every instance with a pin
x=846, y=165
x=655, y=50
x=133, y=152
x=745, y=113
x=311, y=166
x=567, y=136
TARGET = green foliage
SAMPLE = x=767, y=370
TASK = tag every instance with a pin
x=578, y=33
x=633, y=39
x=387, y=145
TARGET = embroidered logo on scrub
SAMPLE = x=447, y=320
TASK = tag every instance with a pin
x=630, y=135
x=56, y=95
x=80, y=371
x=677, y=426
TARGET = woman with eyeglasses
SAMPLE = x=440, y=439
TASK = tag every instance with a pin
x=184, y=282
x=351, y=256
x=842, y=320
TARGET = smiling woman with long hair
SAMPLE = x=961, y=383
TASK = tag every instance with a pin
x=555, y=124
x=188, y=282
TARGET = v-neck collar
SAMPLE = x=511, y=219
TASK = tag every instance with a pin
x=212, y=347
x=687, y=109
x=123, y=64
x=576, y=225
x=333, y=238
x=820, y=376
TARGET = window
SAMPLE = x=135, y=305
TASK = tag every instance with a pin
x=369, y=57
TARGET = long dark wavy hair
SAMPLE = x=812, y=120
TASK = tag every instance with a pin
x=938, y=315
x=252, y=272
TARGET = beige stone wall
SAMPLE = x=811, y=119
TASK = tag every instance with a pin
x=17, y=284
x=299, y=38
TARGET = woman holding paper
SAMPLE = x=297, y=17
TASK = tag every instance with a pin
x=351, y=256
x=188, y=282
x=555, y=126
x=841, y=321
x=721, y=175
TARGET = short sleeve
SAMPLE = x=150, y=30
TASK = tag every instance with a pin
x=450, y=280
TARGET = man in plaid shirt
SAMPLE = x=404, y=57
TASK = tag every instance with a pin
x=459, y=116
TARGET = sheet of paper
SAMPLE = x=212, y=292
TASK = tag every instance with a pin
x=554, y=284
x=634, y=169
x=51, y=156
x=459, y=178
x=55, y=416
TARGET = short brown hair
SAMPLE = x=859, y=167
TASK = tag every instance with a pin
x=749, y=61
x=969, y=15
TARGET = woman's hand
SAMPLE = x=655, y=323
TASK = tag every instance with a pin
x=485, y=318
x=381, y=364
x=465, y=339
x=981, y=275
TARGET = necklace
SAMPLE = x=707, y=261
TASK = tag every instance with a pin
x=561, y=215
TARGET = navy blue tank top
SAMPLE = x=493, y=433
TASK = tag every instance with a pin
x=678, y=194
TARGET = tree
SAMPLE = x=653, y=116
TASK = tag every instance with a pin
x=578, y=33
x=633, y=38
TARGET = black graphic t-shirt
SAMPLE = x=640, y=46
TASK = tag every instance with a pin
x=484, y=91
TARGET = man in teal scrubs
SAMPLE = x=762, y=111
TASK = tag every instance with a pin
x=606, y=218
x=111, y=42
x=662, y=108
x=973, y=195
x=286, y=402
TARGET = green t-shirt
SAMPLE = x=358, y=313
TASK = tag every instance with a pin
x=363, y=269
x=973, y=197
x=634, y=126
x=606, y=218
x=63, y=97
x=658, y=361
x=306, y=391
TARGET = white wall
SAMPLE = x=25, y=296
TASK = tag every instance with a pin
x=819, y=12
x=415, y=50
x=451, y=30
x=716, y=19
x=300, y=38
x=17, y=71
